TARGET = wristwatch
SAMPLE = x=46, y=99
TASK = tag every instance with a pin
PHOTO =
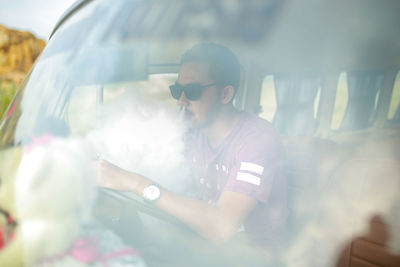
x=151, y=193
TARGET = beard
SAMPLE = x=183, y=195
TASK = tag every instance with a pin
x=204, y=118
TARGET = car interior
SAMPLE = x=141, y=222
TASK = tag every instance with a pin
x=325, y=73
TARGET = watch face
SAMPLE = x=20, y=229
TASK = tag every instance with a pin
x=151, y=192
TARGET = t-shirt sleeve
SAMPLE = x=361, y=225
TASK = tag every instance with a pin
x=258, y=163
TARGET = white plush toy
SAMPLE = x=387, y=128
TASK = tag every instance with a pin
x=54, y=193
x=54, y=190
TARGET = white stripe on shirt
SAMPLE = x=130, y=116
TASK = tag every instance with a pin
x=251, y=167
x=249, y=178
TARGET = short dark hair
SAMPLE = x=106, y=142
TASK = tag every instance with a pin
x=224, y=65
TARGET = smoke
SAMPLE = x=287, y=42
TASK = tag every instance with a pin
x=143, y=136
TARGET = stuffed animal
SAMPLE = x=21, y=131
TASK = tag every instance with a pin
x=48, y=188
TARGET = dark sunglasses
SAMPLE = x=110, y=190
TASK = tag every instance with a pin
x=192, y=91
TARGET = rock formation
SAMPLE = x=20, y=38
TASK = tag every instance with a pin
x=18, y=51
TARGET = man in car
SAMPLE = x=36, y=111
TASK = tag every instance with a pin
x=237, y=158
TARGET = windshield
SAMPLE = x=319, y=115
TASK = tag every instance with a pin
x=105, y=78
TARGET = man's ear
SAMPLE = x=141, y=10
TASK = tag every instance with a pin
x=227, y=94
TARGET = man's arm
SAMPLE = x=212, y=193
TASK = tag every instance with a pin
x=216, y=223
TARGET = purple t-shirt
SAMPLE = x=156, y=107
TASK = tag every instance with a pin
x=249, y=161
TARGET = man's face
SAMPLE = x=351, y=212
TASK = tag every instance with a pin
x=201, y=113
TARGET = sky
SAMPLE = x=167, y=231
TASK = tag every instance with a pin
x=36, y=16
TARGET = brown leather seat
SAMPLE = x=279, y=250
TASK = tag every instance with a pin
x=376, y=196
x=341, y=187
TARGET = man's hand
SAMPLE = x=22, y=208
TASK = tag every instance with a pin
x=111, y=176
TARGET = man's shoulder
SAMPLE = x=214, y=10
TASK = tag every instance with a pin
x=253, y=126
x=258, y=136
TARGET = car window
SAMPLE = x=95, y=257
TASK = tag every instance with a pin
x=291, y=101
x=394, y=110
x=268, y=98
x=340, y=101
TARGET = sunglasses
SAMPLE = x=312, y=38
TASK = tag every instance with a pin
x=192, y=91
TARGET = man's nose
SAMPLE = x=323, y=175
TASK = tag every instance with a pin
x=183, y=101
